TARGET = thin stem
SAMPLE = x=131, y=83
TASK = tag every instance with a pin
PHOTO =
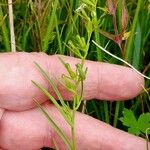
x=73, y=131
x=116, y=114
x=11, y=23
x=84, y=102
x=86, y=52
x=103, y=49
x=147, y=139
x=106, y=112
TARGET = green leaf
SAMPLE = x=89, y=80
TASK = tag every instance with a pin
x=130, y=121
x=81, y=71
x=134, y=126
x=128, y=118
x=134, y=130
x=144, y=123
x=68, y=68
x=89, y=2
x=69, y=85
x=73, y=49
x=137, y=47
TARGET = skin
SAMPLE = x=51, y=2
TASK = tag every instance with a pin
x=23, y=126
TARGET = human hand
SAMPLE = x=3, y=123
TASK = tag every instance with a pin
x=23, y=126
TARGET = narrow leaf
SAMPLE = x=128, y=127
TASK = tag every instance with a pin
x=44, y=91
x=55, y=126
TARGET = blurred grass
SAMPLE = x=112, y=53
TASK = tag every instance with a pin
x=4, y=31
x=47, y=26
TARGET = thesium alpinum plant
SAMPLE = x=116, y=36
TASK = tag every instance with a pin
x=79, y=46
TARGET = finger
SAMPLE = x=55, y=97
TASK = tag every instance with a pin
x=30, y=130
x=16, y=72
x=104, y=81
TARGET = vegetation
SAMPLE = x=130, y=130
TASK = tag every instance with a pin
x=122, y=27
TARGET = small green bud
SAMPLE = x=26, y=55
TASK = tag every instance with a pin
x=81, y=71
x=70, y=71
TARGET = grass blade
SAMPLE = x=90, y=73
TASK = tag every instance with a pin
x=129, y=44
x=52, y=84
x=50, y=27
x=55, y=126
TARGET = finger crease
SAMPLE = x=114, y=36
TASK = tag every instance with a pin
x=1, y=113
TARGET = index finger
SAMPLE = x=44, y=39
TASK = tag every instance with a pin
x=103, y=81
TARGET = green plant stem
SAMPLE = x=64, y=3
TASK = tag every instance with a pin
x=101, y=108
x=106, y=112
x=96, y=110
x=116, y=114
x=80, y=98
x=73, y=131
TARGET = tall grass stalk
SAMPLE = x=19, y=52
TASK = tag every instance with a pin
x=11, y=25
